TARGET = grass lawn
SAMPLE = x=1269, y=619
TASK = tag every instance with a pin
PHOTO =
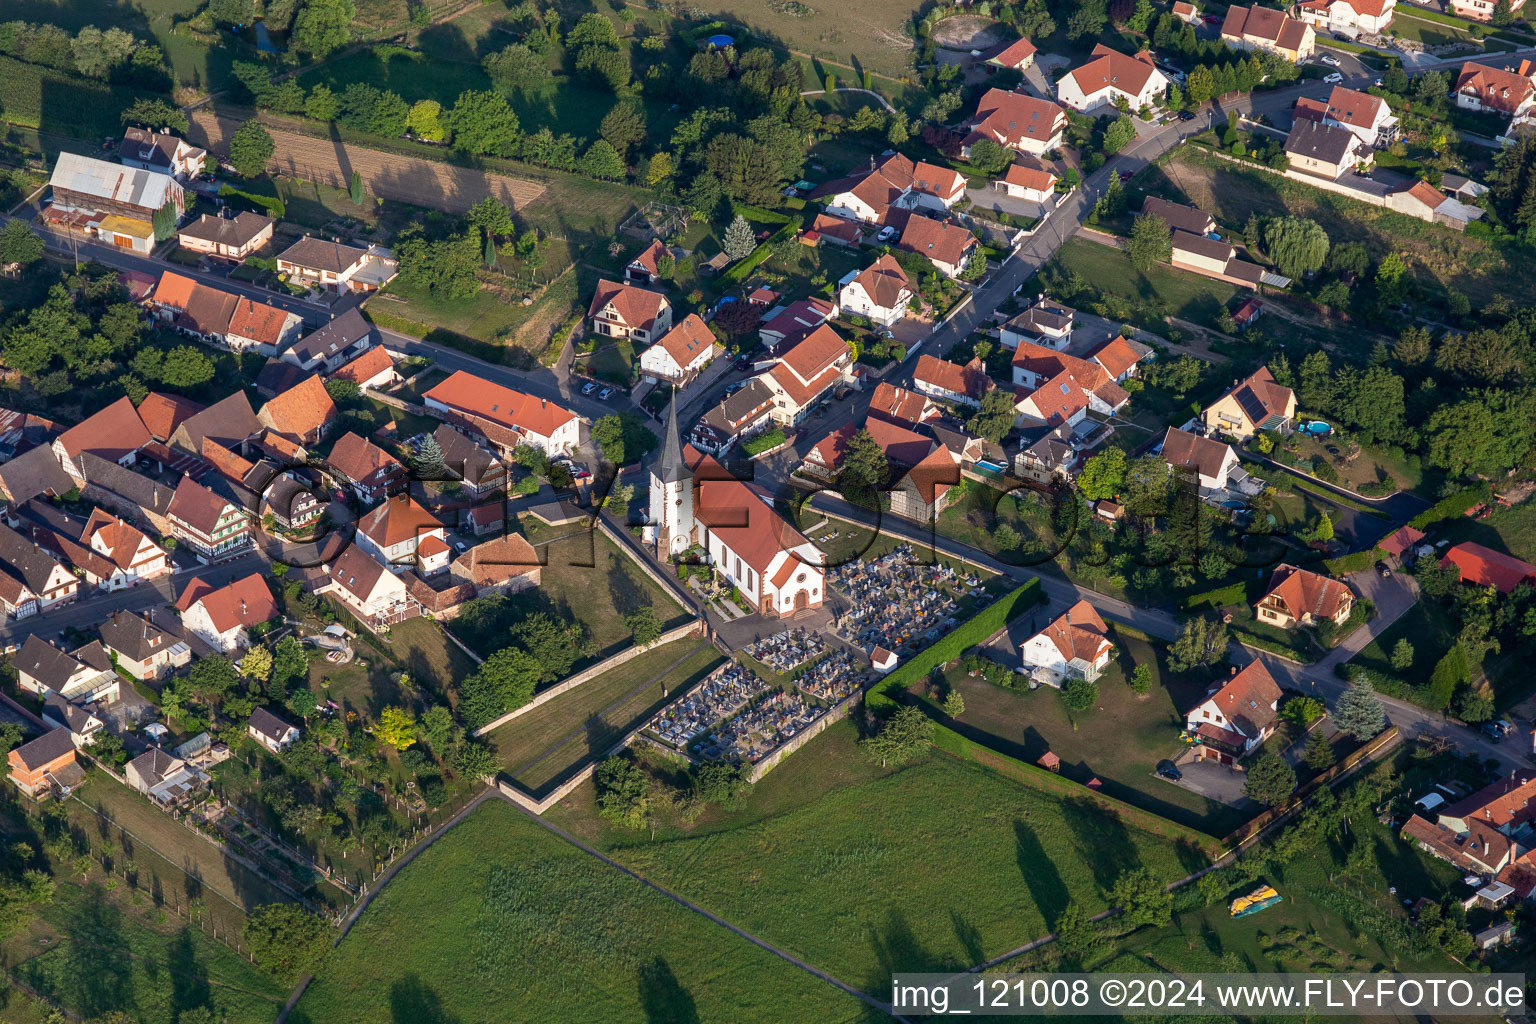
x=171, y=858
x=431, y=659
x=1431, y=632
x=542, y=746
x=1161, y=290
x=586, y=579
x=1511, y=529
x=614, y=363
x=383, y=424
x=1372, y=465
x=490, y=315
x=1119, y=740
x=500, y=920
x=975, y=518
x=1438, y=257
x=862, y=871
x=93, y=950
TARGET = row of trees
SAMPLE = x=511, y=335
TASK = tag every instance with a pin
x=111, y=54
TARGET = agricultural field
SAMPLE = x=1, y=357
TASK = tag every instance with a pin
x=100, y=947
x=542, y=746
x=501, y=920
x=851, y=37
x=1438, y=258
x=803, y=863
x=1119, y=740
x=586, y=580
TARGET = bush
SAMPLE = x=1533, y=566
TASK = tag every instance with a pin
x=1450, y=507
x=762, y=442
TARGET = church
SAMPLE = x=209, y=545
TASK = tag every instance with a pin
x=694, y=500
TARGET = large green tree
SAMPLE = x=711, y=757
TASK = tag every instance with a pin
x=865, y=466
x=250, y=148
x=20, y=244
x=324, y=25
x=517, y=67
x=1142, y=899
x=905, y=735
x=623, y=128
x=1103, y=475
x=1151, y=242
x=994, y=416
x=482, y=123
x=1202, y=643
x=286, y=940
x=1270, y=780
x=1359, y=711
x=1296, y=245
x=623, y=792
x=744, y=168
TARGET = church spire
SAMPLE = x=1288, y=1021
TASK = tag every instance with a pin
x=671, y=468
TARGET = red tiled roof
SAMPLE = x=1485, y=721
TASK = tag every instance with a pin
x=366, y=366
x=970, y=380
x=500, y=405
x=1116, y=356
x=396, y=521
x=161, y=414
x=1501, y=89
x=635, y=307
x=1404, y=538
x=1265, y=23
x=1303, y=592
x=1013, y=54
x=1108, y=67
x=898, y=404
x=1246, y=698
x=197, y=506
x=245, y=602
x=1010, y=118
x=174, y=290
x=1079, y=633
x=1509, y=800
x=1487, y=567
x=120, y=539
x=112, y=433
x=900, y=445
x=739, y=516
x=497, y=561
x=357, y=458
x=837, y=227
x=935, y=474
x=1183, y=450
x=1425, y=193
x=935, y=180
x=687, y=339
x=258, y=321
x=301, y=410
x=646, y=258
x=1058, y=399
x=885, y=282
x=815, y=354
x=1031, y=174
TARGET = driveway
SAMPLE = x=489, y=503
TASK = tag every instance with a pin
x=999, y=201
x=1213, y=781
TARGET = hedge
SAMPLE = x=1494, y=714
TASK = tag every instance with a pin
x=1339, y=499
x=1352, y=563
x=1035, y=777
x=272, y=204
x=968, y=634
x=747, y=264
x=1450, y=507
x=1232, y=593
x=761, y=214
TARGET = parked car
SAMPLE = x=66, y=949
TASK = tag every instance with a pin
x=1169, y=770
x=743, y=365
x=1330, y=60
x=887, y=234
x=605, y=394
x=1186, y=115
x=735, y=388
x=588, y=388
x=1384, y=569
x=1333, y=79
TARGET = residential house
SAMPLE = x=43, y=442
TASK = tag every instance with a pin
x=900, y=406
x=506, y=565
x=1326, y=150
x=480, y=474
x=1482, y=10
x=207, y=315
x=951, y=382
x=161, y=152
x=320, y=263
x=46, y=765
x=828, y=228
x=1254, y=404
x=502, y=417
x=1186, y=12
x=32, y=570
x=402, y=534
x=83, y=723
x=1060, y=401
x=302, y=414
x=795, y=322
x=33, y=473
x=896, y=183
x=161, y=414
x=133, y=556
x=1347, y=17
x=624, y=311
x=1018, y=55
x=1074, y=646
x=1180, y=216
x=902, y=447
x=747, y=412
x=1484, y=567
x=1050, y=459
x=85, y=184
x=142, y=649
x=377, y=597
x=928, y=488
x=1034, y=366
x=229, y=423
x=695, y=500
x=369, y=470
x=1367, y=117
x=1046, y=323
x=83, y=675
x=805, y=373
x=1235, y=717
x=221, y=616
x=164, y=778
x=881, y=292
x=682, y=352
x=1110, y=77
x=211, y=526
x=1427, y=203
x=373, y=369
x=1297, y=597
x=114, y=433
x=1120, y=358
x=138, y=499
x=270, y=731
x=1508, y=91
x=1506, y=805
x=1014, y=120
x=643, y=269
x=261, y=327
x=1476, y=849
x=227, y=238
x=1212, y=463
x=949, y=247
x=326, y=350
x=1264, y=28
x=292, y=500
x=1030, y=180
x=1211, y=258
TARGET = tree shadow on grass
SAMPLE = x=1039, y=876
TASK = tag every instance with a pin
x=99, y=972
x=662, y=996
x=1102, y=840
x=1040, y=875
x=412, y=1002
x=898, y=949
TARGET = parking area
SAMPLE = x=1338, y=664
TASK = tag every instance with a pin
x=1213, y=781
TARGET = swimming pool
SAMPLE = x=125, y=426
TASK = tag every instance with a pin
x=1317, y=428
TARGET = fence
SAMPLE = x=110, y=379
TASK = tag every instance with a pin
x=689, y=628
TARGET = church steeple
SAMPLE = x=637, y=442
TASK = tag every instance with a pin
x=670, y=467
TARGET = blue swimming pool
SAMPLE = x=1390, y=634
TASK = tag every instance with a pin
x=721, y=42
x=1317, y=428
